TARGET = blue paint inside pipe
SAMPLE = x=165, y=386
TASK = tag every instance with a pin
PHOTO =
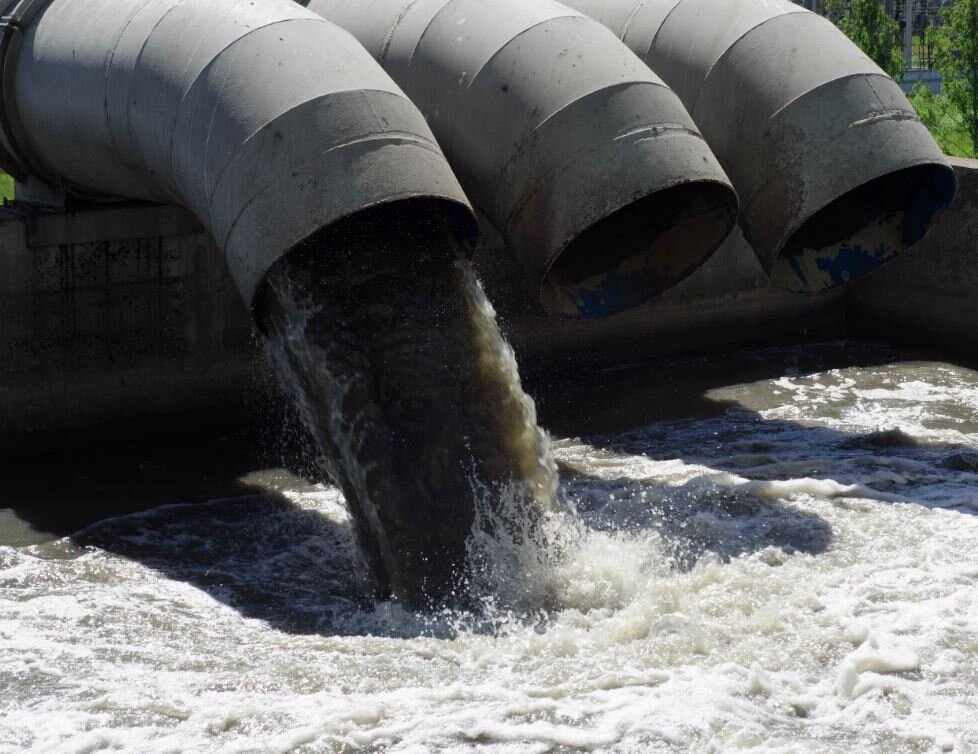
x=853, y=262
x=904, y=204
x=606, y=299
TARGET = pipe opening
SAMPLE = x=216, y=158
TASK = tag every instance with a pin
x=639, y=251
x=444, y=224
x=863, y=229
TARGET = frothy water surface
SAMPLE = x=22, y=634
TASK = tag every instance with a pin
x=795, y=573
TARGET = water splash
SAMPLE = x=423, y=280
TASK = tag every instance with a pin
x=724, y=586
x=397, y=365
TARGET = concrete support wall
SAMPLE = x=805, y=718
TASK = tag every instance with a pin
x=113, y=318
x=106, y=324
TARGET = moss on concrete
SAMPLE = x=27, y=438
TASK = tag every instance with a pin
x=6, y=187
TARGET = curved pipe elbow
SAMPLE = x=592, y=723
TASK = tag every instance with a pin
x=835, y=172
x=581, y=157
x=265, y=120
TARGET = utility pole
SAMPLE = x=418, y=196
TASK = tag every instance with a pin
x=908, y=34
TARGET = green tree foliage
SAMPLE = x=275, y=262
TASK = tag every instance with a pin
x=945, y=125
x=865, y=22
x=956, y=109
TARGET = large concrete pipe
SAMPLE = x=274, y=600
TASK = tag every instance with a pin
x=835, y=173
x=265, y=120
x=583, y=159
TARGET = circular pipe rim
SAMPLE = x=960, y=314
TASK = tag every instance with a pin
x=578, y=281
x=825, y=251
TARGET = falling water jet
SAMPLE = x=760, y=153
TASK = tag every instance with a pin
x=381, y=332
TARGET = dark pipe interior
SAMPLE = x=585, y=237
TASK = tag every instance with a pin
x=639, y=251
x=863, y=229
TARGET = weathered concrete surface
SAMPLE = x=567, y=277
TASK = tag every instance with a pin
x=105, y=335
x=930, y=295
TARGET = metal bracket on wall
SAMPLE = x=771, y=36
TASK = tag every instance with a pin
x=14, y=157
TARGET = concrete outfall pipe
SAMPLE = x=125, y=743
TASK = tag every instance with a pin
x=582, y=158
x=267, y=121
x=294, y=149
x=835, y=173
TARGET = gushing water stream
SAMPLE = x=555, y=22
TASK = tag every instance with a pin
x=391, y=350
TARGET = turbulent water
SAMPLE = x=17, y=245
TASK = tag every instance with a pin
x=391, y=349
x=794, y=571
